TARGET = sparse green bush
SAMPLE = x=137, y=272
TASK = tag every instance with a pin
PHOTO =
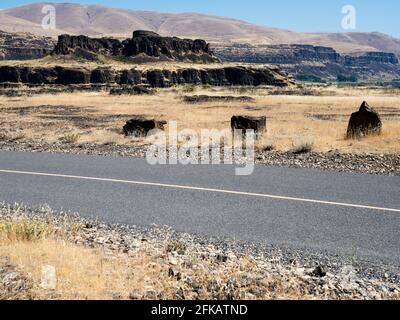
x=188, y=88
x=303, y=146
x=310, y=78
x=343, y=78
x=70, y=137
x=268, y=147
x=245, y=90
x=24, y=230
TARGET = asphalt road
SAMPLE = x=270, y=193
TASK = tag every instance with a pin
x=336, y=212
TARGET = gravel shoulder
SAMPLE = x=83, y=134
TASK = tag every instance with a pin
x=381, y=164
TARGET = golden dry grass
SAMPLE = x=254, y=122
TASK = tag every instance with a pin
x=292, y=119
x=148, y=272
x=115, y=64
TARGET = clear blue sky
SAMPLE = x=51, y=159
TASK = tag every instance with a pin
x=297, y=15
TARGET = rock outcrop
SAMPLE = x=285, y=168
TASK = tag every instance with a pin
x=140, y=126
x=142, y=47
x=130, y=77
x=258, y=124
x=307, y=62
x=24, y=46
x=152, y=44
x=364, y=122
x=67, y=76
x=240, y=76
x=68, y=44
x=157, y=78
x=103, y=76
x=10, y=74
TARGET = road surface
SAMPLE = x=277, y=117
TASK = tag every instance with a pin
x=341, y=213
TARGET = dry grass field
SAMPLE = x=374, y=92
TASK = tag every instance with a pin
x=86, y=267
x=317, y=116
x=115, y=64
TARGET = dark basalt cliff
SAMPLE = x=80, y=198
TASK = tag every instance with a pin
x=143, y=46
x=68, y=44
x=307, y=61
x=228, y=76
x=371, y=57
x=151, y=44
x=304, y=62
x=23, y=46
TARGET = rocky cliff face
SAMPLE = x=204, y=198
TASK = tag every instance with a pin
x=306, y=61
x=24, y=46
x=371, y=58
x=153, y=45
x=143, y=46
x=157, y=78
x=105, y=46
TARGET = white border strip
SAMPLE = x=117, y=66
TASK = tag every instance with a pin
x=173, y=186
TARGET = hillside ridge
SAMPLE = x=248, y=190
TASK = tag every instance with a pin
x=98, y=21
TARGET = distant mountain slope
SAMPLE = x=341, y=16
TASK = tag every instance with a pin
x=95, y=20
x=13, y=24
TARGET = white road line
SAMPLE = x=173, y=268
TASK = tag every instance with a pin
x=173, y=186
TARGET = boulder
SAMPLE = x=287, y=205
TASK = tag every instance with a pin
x=258, y=124
x=140, y=126
x=364, y=122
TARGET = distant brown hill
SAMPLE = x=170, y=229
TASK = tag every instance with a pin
x=95, y=20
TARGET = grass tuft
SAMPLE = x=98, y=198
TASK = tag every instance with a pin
x=24, y=229
x=70, y=138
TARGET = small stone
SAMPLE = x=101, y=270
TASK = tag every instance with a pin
x=150, y=295
x=172, y=261
x=180, y=294
x=10, y=278
x=173, y=273
x=134, y=296
x=222, y=258
x=319, y=272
